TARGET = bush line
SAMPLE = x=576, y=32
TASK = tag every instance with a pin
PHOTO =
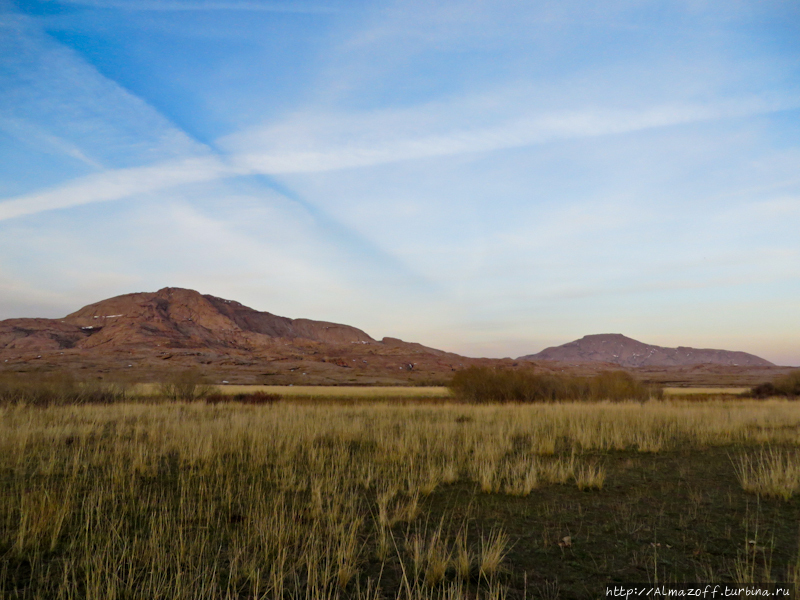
x=487, y=384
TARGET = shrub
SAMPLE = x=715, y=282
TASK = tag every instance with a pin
x=787, y=386
x=245, y=398
x=485, y=384
x=185, y=385
x=764, y=390
x=619, y=385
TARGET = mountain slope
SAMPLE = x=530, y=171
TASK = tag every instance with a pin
x=147, y=336
x=626, y=352
x=144, y=336
x=170, y=317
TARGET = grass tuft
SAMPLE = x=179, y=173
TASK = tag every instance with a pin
x=590, y=477
x=771, y=473
x=493, y=551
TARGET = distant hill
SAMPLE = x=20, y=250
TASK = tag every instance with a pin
x=617, y=349
x=171, y=318
x=144, y=334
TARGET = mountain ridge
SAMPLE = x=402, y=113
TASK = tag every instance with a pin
x=145, y=336
x=173, y=317
x=618, y=349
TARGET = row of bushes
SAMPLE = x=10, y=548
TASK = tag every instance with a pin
x=45, y=389
x=475, y=384
x=60, y=388
x=787, y=386
x=485, y=384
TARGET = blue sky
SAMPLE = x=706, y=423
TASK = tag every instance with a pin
x=489, y=178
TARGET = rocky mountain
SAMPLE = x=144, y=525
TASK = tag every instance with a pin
x=617, y=349
x=147, y=336
x=171, y=318
x=144, y=334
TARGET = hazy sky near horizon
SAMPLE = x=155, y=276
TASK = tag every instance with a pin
x=489, y=178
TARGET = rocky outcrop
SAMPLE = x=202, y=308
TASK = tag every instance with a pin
x=39, y=334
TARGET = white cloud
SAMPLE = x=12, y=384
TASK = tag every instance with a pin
x=308, y=143
x=205, y=5
x=117, y=184
x=305, y=144
x=32, y=135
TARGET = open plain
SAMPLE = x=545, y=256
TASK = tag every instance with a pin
x=153, y=499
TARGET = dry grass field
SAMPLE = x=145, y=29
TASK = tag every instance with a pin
x=374, y=500
x=705, y=391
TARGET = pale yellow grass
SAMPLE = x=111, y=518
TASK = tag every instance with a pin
x=493, y=552
x=691, y=391
x=771, y=472
x=137, y=493
x=590, y=476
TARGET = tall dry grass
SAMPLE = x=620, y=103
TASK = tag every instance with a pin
x=197, y=500
x=770, y=472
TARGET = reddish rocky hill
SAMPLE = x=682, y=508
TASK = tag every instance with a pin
x=620, y=350
x=145, y=334
x=179, y=318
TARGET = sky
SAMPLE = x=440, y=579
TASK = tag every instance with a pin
x=489, y=178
